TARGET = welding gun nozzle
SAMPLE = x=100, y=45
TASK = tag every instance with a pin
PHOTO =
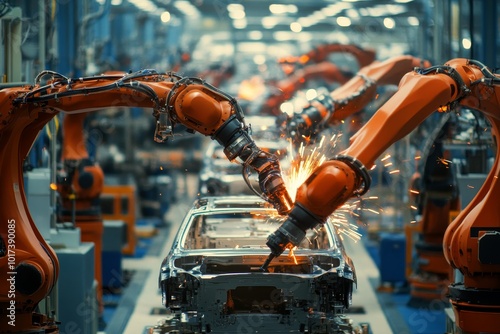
x=263, y=268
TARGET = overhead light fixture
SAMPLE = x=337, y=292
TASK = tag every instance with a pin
x=413, y=21
x=165, y=17
x=255, y=35
x=240, y=24
x=389, y=23
x=352, y=13
x=287, y=108
x=259, y=59
x=251, y=47
x=306, y=21
x=269, y=22
x=144, y=5
x=282, y=36
x=343, y=21
x=279, y=9
x=304, y=37
x=295, y=27
x=237, y=14
x=185, y=7
x=311, y=94
x=466, y=43
x=234, y=7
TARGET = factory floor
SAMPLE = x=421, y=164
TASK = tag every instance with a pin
x=139, y=305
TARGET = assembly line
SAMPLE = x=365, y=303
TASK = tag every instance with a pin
x=295, y=193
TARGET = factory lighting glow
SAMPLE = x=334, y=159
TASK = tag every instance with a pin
x=165, y=17
x=269, y=22
x=185, y=7
x=145, y=5
x=240, y=24
x=295, y=27
x=303, y=164
x=255, y=35
x=235, y=7
x=466, y=43
x=259, y=59
x=237, y=14
x=311, y=94
x=343, y=21
x=287, y=108
x=279, y=9
x=413, y=21
x=389, y=23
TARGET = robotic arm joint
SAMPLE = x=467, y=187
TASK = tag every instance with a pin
x=360, y=171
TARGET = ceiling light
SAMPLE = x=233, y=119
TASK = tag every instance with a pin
x=292, y=9
x=259, y=59
x=295, y=27
x=389, y=23
x=282, y=36
x=116, y=2
x=252, y=47
x=235, y=7
x=311, y=94
x=185, y=7
x=279, y=9
x=343, y=21
x=255, y=35
x=396, y=9
x=352, y=13
x=240, y=24
x=466, y=43
x=287, y=108
x=237, y=14
x=145, y=5
x=318, y=15
x=165, y=17
x=269, y=22
x=306, y=21
x=304, y=37
x=413, y=21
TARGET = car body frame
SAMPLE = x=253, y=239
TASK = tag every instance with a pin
x=211, y=280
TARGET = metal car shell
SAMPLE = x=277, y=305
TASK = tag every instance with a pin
x=211, y=280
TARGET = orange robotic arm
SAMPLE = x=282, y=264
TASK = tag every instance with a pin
x=81, y=181
x=350, y=98
x=288, y=86
x=471, y=241
x=320, y=53
x=26, y=260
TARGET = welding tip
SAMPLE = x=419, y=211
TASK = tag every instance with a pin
x=263, y=268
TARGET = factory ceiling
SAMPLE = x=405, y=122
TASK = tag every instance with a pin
x=281, y=20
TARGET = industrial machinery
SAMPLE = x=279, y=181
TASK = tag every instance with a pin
x=320, y=53
x=310, y=66
x=329, y=110
x=79, y=183
x=470, y=241
x=211, y=281
x=29, y=266
x=434, y=188
x=218, y=176
x=285, y=89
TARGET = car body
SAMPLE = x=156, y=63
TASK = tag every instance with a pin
x=219, y=176
x=212, y=282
